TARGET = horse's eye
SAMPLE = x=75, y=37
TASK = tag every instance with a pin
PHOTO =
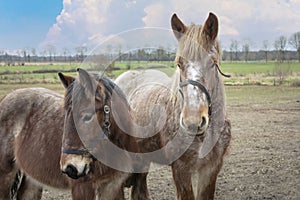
x=180, y=66
x=88, y=117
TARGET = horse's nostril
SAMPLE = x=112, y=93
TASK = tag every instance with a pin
x=71, y=171
x=203, y=122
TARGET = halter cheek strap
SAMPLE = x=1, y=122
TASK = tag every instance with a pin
x=107, y=123
x=106, y=132
x=219, y=70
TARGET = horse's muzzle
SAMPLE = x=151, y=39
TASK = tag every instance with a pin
x=195, y=129
x=73, y=173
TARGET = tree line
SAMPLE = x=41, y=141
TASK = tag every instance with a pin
x=238, y=51
x=279, y=52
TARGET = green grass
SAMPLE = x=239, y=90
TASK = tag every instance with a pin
x=30, y=68
x=242, y=72
x=243, y=68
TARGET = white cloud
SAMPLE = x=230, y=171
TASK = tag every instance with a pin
x=239, y=20
x=81, y=22
x=91, y=21
x=155, y=14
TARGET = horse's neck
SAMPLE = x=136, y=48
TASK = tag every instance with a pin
x=218, y=112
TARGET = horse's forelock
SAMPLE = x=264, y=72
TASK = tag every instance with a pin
x=193, y=45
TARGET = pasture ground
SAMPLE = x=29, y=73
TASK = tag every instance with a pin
x=264, y=157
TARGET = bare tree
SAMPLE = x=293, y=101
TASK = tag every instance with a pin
x=280, y=45
x=246, y=49
x=294, y=41
x=43, y=54
x=266, y=49
x=234, y=47
x=2, y=53
x=26, y=54
x=33, y=52
x=51, y=49
x=120, y=53
x=65, y=53
x=81, y=50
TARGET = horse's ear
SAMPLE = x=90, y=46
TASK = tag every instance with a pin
x=178, y=26
x=65, y=80
x=211, y=26
x=86, y=80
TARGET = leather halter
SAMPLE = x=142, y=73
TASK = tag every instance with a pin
x=201, y=87
x=81, y=152
x=106, y=132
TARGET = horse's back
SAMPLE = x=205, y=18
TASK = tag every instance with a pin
x=144, y=91
x=31, y=127
x=132, y=80
x=23, y=100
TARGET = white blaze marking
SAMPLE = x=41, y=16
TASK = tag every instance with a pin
x=194, y=73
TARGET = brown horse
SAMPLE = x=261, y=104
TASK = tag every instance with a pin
x=184, y=117
x=33, y=132
x=31, y=127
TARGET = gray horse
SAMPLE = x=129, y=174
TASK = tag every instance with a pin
x=183, y=119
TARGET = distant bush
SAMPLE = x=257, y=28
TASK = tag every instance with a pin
x=296, y=83
x=281, y=71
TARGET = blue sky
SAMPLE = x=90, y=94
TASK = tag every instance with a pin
x=73, y=23
x=25, y=23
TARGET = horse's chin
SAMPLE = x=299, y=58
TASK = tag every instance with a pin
x=199, y=133
x=196, y=134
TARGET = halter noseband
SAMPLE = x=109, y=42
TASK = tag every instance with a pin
x=201, y=87
x=81, y=152
x=106, y=132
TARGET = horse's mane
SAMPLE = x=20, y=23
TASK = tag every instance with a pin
x=194, y=44
x=175, y=86
x=111, y=87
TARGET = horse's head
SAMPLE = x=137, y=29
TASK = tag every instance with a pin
x=87, y=118
x=197, y=58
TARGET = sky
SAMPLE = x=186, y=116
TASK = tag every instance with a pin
x=67, y=24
